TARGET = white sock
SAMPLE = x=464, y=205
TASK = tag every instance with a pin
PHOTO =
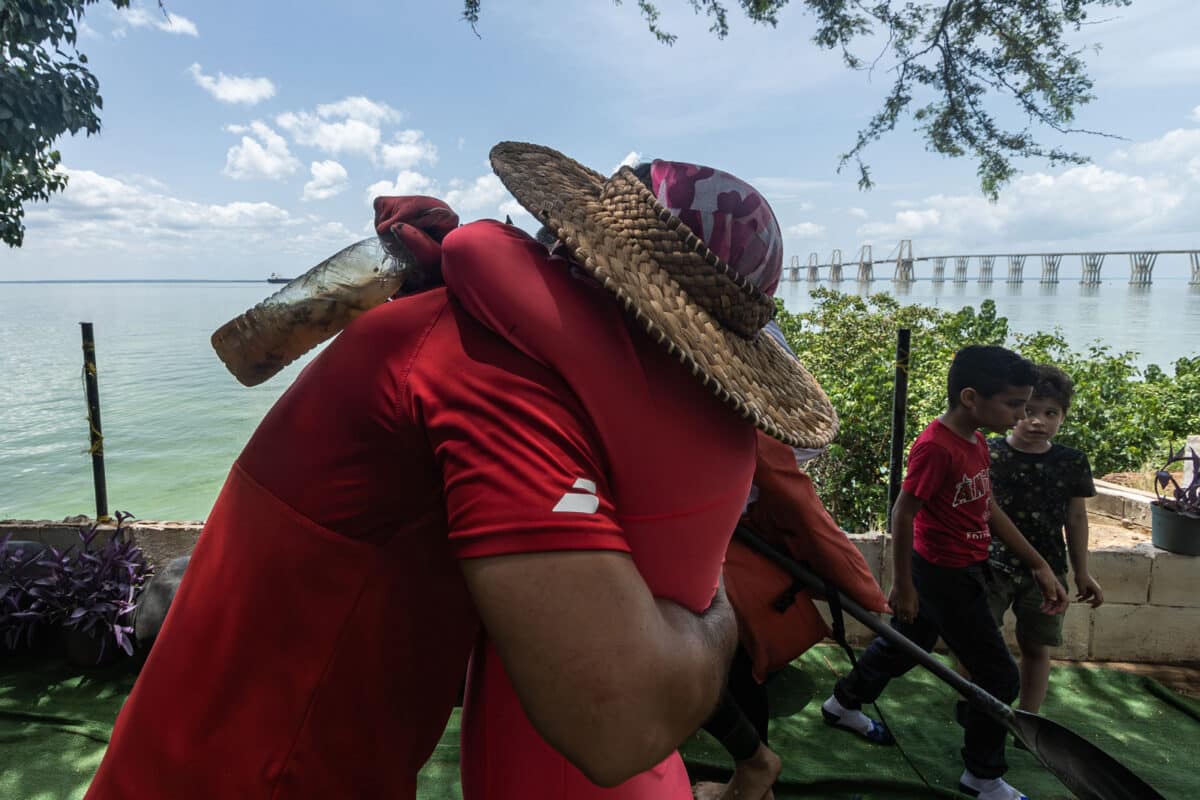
x=850, y=718
x=990, y=788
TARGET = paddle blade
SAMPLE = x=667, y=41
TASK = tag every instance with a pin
x=1084, y=768
x=312, y=308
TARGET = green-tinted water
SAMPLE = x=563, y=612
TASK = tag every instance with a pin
x=174, y=419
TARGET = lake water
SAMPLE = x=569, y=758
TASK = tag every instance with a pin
x=174, y=419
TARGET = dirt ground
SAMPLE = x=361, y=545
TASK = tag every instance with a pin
x=1183, y=678
x=1108, y=532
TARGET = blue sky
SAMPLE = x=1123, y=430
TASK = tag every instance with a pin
x=241, y=139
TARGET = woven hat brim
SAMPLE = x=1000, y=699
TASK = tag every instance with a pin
x=614, y=227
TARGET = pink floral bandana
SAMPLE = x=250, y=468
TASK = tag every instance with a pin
x=731, y=217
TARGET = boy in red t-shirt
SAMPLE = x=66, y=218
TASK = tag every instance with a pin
x=942, y=523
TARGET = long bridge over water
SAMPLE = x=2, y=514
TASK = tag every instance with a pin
x=903, y=265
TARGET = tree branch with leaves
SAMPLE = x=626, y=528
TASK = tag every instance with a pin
x=953, y=64
x=46, y=90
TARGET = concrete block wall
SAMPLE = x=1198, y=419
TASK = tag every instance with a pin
x=1151, y=611
x=1152, y=597
x=161, y=541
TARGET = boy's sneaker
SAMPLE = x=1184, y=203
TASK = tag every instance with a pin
x=855, y=721
x=988, y=788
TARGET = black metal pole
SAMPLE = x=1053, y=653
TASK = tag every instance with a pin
x=96, y=432
x=899, y=412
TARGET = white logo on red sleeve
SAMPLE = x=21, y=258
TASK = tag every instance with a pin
x=584, y=502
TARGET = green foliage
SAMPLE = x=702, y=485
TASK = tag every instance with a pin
x=960, y=53
x=46, y=90
x=1121, y=417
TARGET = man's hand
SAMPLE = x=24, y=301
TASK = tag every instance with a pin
x=1054, y=594
x=414, y=225
x=1089, y=591
x=904, y=601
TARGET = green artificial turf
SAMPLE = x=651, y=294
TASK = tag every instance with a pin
x=55, y=721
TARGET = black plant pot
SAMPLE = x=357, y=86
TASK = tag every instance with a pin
x=1175, y=532
x=89, y=648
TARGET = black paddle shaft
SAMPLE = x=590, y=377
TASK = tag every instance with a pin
x=1082, y=767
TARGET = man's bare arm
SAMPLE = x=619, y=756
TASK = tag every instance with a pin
x=611, y=677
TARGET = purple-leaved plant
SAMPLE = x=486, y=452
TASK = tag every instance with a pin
x=25, y=581
x=95, y=590
x=1180, y=499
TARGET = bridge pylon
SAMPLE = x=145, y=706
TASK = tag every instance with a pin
x=960, y=268
x=1050, y=264
x=814, y=268
x=1091, y=268
x=835, y=266
x=986, y=264
x=1016, y=269
x=866, y=265
x=939, y=269
x=1141, y=268
x=904, y=263
x=1195, y=259
x=794, y=269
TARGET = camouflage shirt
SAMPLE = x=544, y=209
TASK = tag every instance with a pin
x=1034, y=490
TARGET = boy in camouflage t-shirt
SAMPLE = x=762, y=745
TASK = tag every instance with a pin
x=1041, y=486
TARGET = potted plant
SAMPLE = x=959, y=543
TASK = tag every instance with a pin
x=1175, y=515
x=94, y=591
x=25, y=577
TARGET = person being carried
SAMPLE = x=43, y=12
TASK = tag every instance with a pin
x=424, y=481
x=1041, y=486
x=777, y=620
x=942, y=524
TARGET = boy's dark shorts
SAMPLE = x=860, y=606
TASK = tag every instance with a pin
x=1021, y=593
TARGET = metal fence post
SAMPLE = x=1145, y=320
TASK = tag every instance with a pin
x=96, y=432
x=899, y=412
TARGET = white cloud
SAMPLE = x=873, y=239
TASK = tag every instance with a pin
x=233, y=89
x=408, y=149
x=91, y=199
x=266, y=156
x=1196, y=113
x=1081, y=203
x=632, y=160
x=860, y=213
x=359, y=108
x=346, y=136
x=171, y=23
x=178, y=24
x=329, y=178
x=407, y=182
x=805, y=230
x=351, y=125
x=485, y=192
x=1177, y=145
x=105, y=218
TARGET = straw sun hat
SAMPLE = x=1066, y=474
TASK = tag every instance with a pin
x=708, y=313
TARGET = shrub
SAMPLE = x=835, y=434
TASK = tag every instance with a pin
x=93, y=590
x=1119, y=416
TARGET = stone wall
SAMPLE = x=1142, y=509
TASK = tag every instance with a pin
x=1151, y=610
x=1152, y=598
x=161, y=541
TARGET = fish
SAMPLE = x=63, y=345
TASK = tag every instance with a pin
x=256, y=345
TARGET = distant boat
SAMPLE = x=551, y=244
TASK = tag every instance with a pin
x=276, y=278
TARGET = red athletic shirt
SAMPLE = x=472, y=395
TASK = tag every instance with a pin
x=319, y=638
x=679, y=465
x=950, y=475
